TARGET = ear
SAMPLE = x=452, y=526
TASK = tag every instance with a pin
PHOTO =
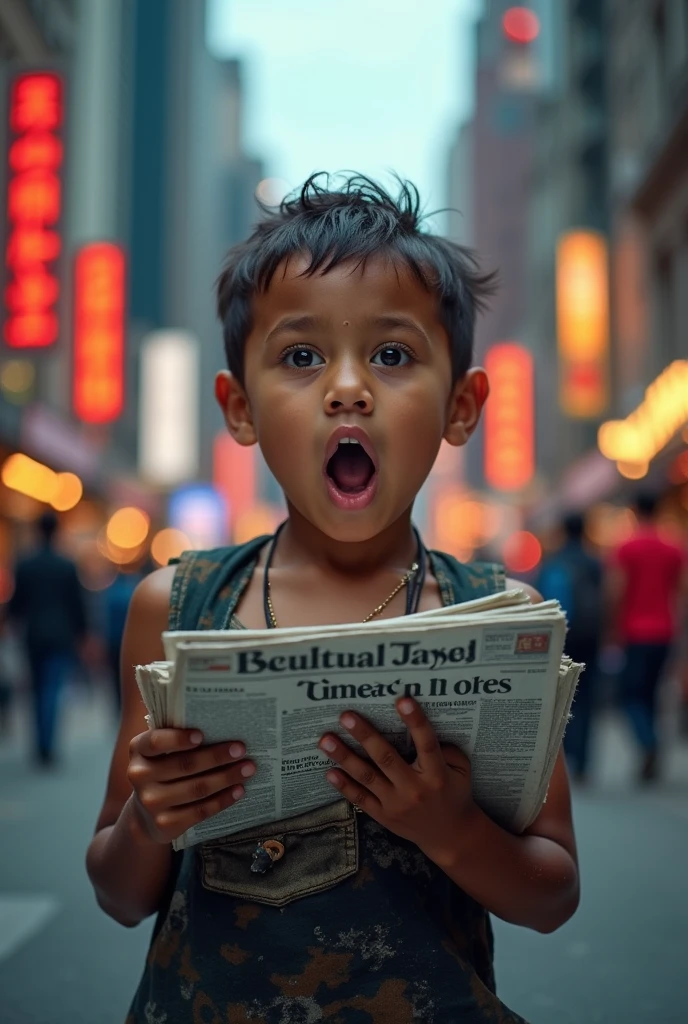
x=234, y=403
x=465, y=405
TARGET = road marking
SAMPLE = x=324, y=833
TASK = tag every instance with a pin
x=21, y=917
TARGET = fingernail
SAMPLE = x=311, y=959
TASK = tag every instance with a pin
x=406, y=706
x=195, y=736
x=238, y=792
x=333, y=778
x=328, y=744
x=248, y=770
x=237, y=749
x=348, y=721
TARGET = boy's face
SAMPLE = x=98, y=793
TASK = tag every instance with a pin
x=353, y=355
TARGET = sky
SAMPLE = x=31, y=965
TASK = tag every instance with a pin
x=368, y=85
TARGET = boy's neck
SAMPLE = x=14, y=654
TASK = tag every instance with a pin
x=302, y=544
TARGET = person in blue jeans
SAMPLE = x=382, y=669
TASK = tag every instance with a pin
x=48, y=604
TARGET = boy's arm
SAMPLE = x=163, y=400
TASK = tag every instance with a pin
x=529, y=879
x=128, y=871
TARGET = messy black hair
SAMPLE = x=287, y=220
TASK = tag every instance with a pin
x=352, y=223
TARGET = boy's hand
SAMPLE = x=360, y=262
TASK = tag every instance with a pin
x=177, y=784
x=425, y=801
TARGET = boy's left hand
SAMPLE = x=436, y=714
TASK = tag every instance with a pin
x=426, y=801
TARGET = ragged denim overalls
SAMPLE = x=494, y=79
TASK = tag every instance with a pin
x=352, y=926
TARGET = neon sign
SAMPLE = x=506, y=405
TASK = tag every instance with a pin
x=509, y=418
x=582, y=323
x=34, y=209
x=99, y=332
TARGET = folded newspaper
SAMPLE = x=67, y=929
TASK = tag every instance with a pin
x=490, y=675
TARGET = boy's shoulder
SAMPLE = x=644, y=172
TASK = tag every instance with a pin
x=470, y=580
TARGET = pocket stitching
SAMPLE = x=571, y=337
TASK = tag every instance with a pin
x=347, y=834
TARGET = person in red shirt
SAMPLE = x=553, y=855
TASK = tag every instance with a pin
x=647, y=580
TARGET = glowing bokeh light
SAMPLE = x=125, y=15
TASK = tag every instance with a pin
x=633, y=470
x=67, y=493
x=127, y=528
x=169, y=543
x=272, y=191
x=521, y=25
x=17, y=377
x=522, y=551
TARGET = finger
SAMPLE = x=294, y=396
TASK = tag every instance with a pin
x=455, y=758
x=173, y=822
x=195, y=788
x=428, y=751
x=354, y=792
x=356, y=767
x=165, y=741
x=381, y=752
x=194, y=762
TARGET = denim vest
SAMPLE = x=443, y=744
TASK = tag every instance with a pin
x=353, y=925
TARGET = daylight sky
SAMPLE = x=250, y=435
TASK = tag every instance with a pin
x=371, y=85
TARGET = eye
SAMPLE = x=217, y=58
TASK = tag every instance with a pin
x=302, y=359
x=391, y=355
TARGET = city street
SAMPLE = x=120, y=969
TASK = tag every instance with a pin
x=622, y=958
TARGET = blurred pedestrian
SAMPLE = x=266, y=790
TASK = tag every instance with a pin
x=48, y=604
x=573, y=577
x=646, y=577
x=117, y=598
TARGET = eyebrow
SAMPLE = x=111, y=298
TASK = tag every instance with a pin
x=392, y=322
x=310, y=323
x=294, y=323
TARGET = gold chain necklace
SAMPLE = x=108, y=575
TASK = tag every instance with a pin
x=406, y=578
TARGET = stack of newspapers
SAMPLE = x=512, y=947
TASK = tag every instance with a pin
x=490, y=674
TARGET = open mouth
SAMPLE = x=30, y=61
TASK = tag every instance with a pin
x=350, y=468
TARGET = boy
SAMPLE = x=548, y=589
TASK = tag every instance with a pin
x=348, y=335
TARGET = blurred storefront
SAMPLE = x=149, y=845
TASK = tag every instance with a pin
x=574, y=170
x=124, y=180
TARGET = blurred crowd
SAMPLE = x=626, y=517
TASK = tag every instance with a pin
x=627, y=615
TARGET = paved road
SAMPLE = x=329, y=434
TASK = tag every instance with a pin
x=623, y=958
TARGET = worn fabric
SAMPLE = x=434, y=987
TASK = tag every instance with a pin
x=362, y=928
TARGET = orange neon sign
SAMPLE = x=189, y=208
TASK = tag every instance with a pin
x=582, y=322
x=509, y=418
x=99, y=332
x=33, y=210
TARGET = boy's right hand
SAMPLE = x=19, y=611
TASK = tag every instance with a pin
x=178, y=784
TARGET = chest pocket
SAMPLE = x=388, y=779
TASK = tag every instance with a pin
x=320, y=850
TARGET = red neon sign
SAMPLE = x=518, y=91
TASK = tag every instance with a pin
x=509, y=418
x=99, y=332
x=34, y=208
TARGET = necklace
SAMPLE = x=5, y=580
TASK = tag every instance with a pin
x=413, y=579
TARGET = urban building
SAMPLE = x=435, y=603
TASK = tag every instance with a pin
x=148, y=187
x=489, y=181
x=568, y=192
x=192, y=187
x=648, y=215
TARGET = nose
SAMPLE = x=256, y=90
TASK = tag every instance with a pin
x=348, y=389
